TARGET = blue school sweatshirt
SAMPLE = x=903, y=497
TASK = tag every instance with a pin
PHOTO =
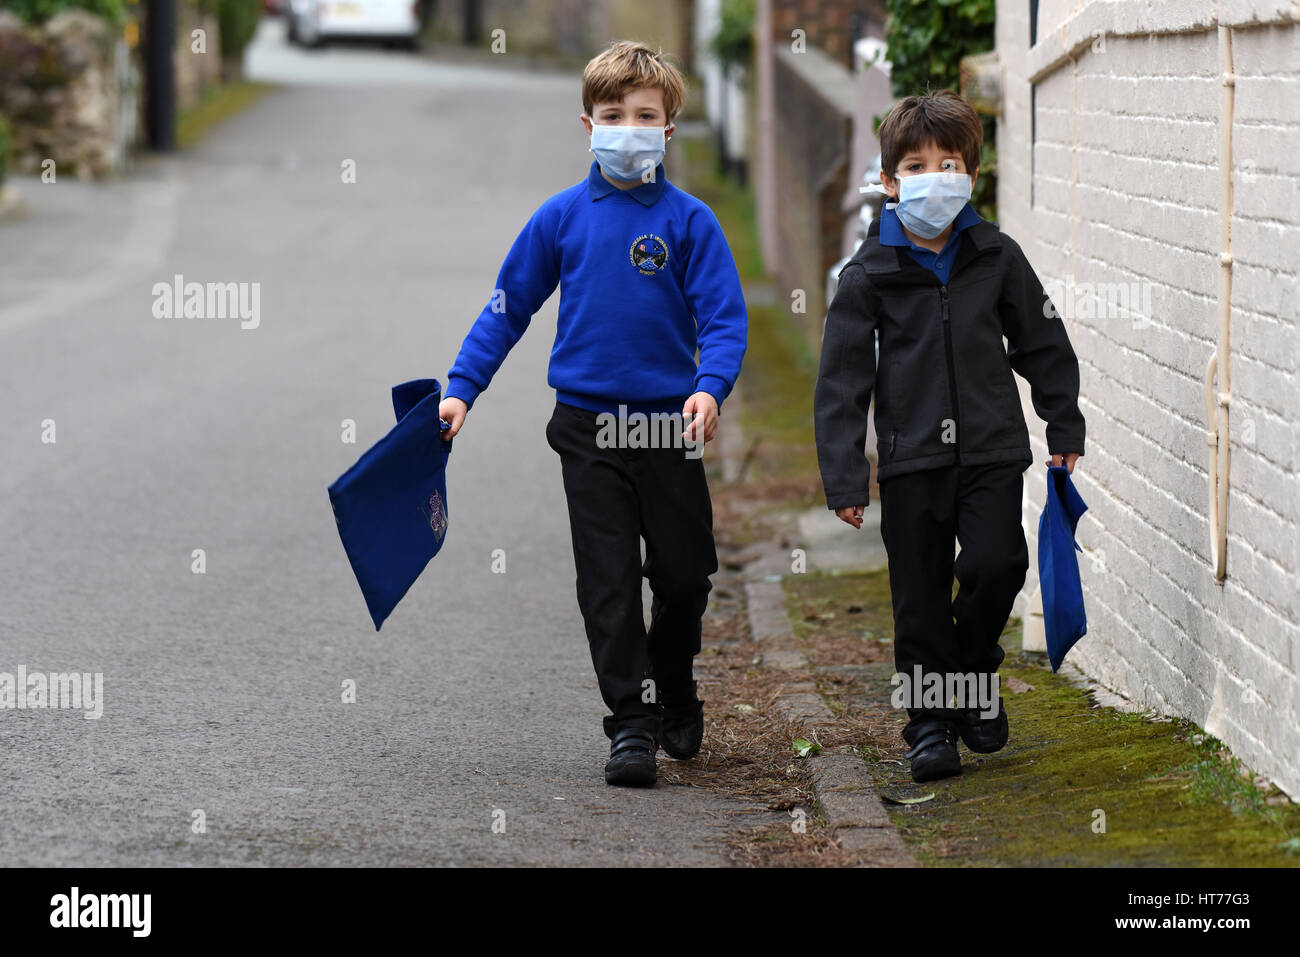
x=646, y=278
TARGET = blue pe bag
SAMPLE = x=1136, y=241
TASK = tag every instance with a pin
x=391, y=506
x=1064, y=618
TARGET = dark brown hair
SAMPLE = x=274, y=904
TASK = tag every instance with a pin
x=942, y=118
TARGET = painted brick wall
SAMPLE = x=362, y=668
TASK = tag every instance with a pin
x=1109, y=172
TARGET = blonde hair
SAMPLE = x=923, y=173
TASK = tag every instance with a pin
x=628, y=65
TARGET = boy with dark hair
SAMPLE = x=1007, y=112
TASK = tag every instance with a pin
x=646, y=278
x=942, y=287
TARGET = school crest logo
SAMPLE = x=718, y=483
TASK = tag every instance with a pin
x=435, y=513
x=649, y=254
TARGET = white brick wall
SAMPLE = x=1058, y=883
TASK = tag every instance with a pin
x=1126, y=187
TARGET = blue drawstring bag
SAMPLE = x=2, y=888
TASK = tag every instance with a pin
x=1064, y=618
x=391, y=506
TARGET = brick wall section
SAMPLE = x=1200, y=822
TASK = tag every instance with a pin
x=1126, y=187
x=826, y=22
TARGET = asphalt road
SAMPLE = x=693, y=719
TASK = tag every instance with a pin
x=222, y=691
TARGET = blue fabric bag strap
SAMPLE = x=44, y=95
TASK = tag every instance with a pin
x=1071, y=502
x=409, y=395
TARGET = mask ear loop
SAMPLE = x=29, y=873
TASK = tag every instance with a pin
x=879, y=188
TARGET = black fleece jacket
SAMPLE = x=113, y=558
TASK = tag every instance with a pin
x=944, y=389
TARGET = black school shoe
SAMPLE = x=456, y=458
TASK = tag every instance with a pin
x=632, y=759
x=934, y=749
x=985, y=735
x=682, y=729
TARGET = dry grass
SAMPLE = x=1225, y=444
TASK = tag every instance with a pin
x=747, y=754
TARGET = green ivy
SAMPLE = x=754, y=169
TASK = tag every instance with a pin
x=237, y=20
x=733, y=44
x=38, y=11
x=926, y=42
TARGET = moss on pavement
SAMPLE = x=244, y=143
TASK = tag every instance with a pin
x=1078, y=784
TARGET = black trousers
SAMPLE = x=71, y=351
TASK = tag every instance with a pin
x=921, y=514
x=617, y=496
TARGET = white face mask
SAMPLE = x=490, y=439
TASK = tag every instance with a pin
x=929, y=202
x=628, y=152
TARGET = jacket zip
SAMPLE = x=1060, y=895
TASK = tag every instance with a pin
x=952, y=379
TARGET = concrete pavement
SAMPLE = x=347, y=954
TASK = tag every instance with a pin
x=222, y=691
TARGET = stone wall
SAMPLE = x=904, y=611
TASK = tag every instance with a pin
x=59, y=92
x=71, y=87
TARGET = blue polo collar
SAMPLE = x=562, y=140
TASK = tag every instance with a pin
x=891, y=227
x=646, y=194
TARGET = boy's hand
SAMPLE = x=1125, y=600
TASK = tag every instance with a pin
x=705, y=423
x=454, y=411
x=1070, y=459
x=851, y=514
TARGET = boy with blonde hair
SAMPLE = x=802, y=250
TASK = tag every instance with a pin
x=646, y=279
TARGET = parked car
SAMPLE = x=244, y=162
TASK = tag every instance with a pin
x=294, y=11
x=313, y=22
